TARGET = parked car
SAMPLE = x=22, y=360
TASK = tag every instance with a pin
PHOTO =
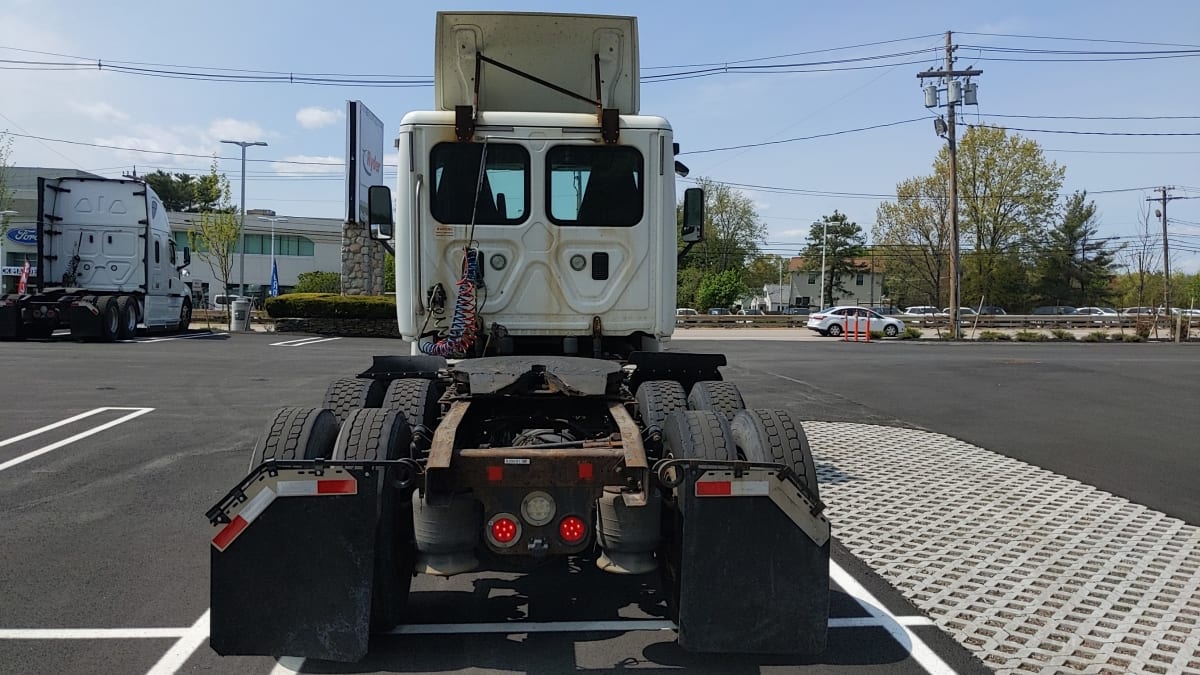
x=1103, y=315
x=719, y=311
x=685, y=311
x=750, y=312
x=992, y=310
x=1053, y=310
x=836, y=320
x=1136, y=311
x=923, y=309
x=797, y=311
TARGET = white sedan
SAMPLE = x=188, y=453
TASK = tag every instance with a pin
x=836, y=321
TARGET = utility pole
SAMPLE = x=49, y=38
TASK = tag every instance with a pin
x=242, y=222
x=955, y=92
x=1161, y=212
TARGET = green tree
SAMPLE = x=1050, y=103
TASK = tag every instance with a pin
x=187, y=193
x=765, y=269
x=732, y=229
x=389, y=273
x=1008, y=192
x=844, y=246
x=720, y=290
x=318, y=282
x=214, y=239
x=914, y=234
x=1075, y=265
x=688, y=286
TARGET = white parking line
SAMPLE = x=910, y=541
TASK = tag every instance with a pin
x=303, y=341
x=137, y=412
x=183, y=648
x=90, y=633
x=184, y=337
x=50, y=427
x=900, y=632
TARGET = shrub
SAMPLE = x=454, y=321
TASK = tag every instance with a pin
x=331, y=306
x=1096, y=336
x=1062, y=334
x=912, y=333
x=877, y=335
x=1133, y=338
x=1181, y=328
x=1031, y=336
x=993, y=336
x=318, y=282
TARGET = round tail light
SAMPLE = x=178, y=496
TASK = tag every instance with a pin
x=503, y=530
x=572, y=529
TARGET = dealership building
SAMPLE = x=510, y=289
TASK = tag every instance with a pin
x=301, y=244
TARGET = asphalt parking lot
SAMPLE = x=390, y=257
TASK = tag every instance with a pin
x=106, y=555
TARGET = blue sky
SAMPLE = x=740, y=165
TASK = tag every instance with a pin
x=305, y=123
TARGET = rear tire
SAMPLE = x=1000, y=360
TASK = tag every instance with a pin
x=722, y=397
x=656, y=399
x=773, y=436
x=689, y=434
x=350, y=393
x=376, y=434
x=110, y=318
x=835, y=330
x=127, y=309
x=296, y=433
x=417, y=400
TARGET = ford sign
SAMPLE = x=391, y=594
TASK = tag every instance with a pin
x=23, y=235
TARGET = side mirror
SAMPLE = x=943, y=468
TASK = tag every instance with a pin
x=693, y=215
x=379, y=211
x=187, y=257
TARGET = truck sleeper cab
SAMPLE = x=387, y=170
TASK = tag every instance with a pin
x=572, y=237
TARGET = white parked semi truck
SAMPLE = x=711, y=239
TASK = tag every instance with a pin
x=106, y=264
x=533, y=415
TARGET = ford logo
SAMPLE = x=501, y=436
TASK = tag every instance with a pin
x=23, y=235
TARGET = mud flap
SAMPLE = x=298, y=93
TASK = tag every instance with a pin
x=753, y=568
x=295, y=579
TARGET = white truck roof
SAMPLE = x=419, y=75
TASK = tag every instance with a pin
x=559, y=48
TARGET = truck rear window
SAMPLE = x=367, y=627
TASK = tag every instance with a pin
x=503, y=197
x=599, y=186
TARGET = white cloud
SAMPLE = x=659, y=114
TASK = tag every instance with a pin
x=100, y=111
x=227, y=128
x=314, y=117
x=311, y=164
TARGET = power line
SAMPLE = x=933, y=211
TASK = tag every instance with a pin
x=1077, y=39
x=803, y=138
x=163, y=152
x=789, y=55
x=1090, y=133
x=1097, y=117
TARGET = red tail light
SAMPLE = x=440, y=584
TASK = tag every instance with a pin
x=572, y=529
x=503, y=530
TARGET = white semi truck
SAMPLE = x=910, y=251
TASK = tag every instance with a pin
x=106, y=264
x=533, y=414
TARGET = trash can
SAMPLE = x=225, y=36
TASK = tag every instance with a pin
x=240, y=316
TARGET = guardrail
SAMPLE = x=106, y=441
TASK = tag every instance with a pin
x=982, y=322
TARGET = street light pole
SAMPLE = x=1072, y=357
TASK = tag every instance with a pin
x=242, y=224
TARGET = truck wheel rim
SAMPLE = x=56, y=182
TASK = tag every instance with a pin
x=114, y=321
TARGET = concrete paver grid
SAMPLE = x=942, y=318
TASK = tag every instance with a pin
x=1033, y=571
